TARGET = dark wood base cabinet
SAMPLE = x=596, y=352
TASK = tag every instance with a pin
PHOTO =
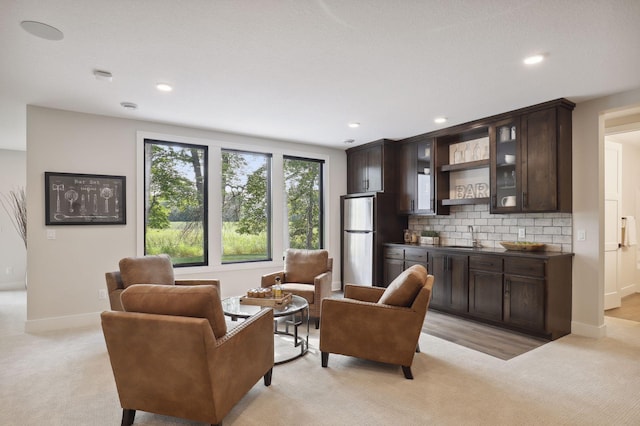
x=526, y=292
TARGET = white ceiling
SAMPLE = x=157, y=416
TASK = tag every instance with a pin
x=301, y=70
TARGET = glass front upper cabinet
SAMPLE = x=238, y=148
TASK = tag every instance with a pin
x=424, y=190
x=505, y=170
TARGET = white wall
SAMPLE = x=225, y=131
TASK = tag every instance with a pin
x=588, y=208
x=65, y=274
x=13, y=256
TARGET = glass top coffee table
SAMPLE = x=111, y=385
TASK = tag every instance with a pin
x=288, y=344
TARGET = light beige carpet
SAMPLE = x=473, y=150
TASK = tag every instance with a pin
x=64, y=378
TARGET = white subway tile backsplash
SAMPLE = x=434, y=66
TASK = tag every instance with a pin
x=553, y=229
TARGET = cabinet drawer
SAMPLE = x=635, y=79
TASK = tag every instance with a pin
x=393, y=253
x=486, y=263
x=526, y=267
x=417, y=255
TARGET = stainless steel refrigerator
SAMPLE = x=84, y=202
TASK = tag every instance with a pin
x=368, y=222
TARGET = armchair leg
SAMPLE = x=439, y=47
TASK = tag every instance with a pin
x=267, y=377
x=418, y=348
x=317, y=323
x=325, y=359
x=407, y=372
x=128, y=416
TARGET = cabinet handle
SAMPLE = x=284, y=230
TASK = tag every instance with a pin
x=524, y=199
x=494, y=200
x=411, y=205
x=507, y=287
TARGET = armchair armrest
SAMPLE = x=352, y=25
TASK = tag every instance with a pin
x=245, y=352
x=364, y=293
x=270, y=279
x=322, y=284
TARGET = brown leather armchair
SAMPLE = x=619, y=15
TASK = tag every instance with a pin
x=308, y=274
x=171, y=353
x=378, y=324
x=156, y=269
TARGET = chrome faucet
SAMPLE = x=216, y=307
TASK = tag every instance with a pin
x=475, y=242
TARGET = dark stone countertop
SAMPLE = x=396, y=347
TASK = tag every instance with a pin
x=486, y=250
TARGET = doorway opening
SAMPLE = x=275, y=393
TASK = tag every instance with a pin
x=622, y=217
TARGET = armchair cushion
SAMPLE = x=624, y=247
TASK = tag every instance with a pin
x=403, y=290
x=147, y=270
x=303, y=290
x=302, y=266
x=201, y=301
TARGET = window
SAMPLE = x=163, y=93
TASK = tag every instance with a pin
x=246, y=209
x=175, y=205
x=304, y=203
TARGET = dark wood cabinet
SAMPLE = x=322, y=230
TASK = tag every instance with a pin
x=397, y=259
x=393, y=264
x=416, y=256
x=524, y=302
x=506, y=165
x=417, y=177
x=370, y=167
x=527, y=292
x=486, y=292
x=451, y=287
x=531, y=161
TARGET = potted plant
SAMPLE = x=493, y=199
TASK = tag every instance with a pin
x=430, y=237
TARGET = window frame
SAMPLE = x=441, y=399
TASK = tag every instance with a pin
x=205, y=198
x=269, y=204
x=217, y=142
x=321, y=190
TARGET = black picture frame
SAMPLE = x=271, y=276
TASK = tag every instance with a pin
x=85, y=199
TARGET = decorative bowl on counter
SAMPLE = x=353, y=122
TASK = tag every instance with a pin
x=522, y=245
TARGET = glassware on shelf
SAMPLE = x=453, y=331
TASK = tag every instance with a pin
x=457, y=155
x=476, y=152
x=468, y=155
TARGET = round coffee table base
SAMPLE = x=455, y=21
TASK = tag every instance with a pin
x=290, y=341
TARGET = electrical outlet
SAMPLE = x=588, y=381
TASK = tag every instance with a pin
x=102, y=294
x=51, y=234
x=521, y=233
x=582, y=235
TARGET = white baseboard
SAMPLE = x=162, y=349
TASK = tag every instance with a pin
x=630, y=289
x=588, y=330
x=60, y=323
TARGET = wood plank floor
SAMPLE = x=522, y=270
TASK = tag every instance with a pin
x=494, y=341
x=630, y=309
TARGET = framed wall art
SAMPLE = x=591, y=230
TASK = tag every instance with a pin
x=82, y=199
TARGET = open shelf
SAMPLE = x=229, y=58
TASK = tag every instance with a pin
x=464, y=201
x=469, y=165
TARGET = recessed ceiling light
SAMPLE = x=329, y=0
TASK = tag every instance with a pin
x=533, y=59
x=354, y=125
x=440, y=120
x=164, y=87
x=129, y=105
x=41, y=30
